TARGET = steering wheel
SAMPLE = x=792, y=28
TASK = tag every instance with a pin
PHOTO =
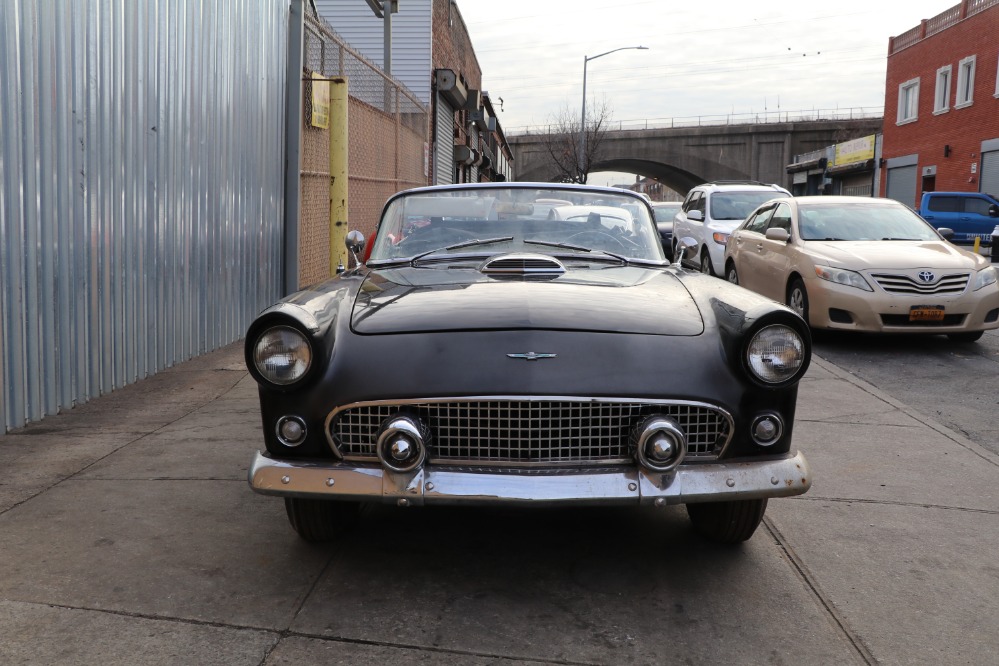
x=598, y=237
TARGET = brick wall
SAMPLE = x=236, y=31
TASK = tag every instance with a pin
x=453, y=50
x=962, y=129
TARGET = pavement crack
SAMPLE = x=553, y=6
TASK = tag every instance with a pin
x=157, y=618
x=915, y=505
x=439, y=650
x=856, y=642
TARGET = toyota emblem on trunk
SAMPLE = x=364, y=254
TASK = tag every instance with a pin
x=926, y=276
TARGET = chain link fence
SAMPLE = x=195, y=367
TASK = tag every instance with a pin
x=388, y=134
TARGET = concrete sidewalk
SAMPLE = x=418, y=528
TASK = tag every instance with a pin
x=129, y=536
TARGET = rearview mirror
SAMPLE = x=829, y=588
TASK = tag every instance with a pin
x=695, y=215
x=946, y=232
x=776, y=234
x=993, y=210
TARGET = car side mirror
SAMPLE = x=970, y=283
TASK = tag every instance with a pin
x=686, y=248
x=695, y=215
x=946, y=232
x=354, y=243
x=780, y=235
x=993, y=210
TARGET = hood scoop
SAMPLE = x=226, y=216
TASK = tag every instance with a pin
x=521, y=264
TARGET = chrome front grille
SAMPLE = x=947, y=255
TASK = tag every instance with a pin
x=543, y=431
x=900, y=283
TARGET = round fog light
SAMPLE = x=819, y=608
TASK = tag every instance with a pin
x=402, y=443
x=660, y=443
x=661, y=447
x=766, y=429
x=291, y=430
x=400, y=448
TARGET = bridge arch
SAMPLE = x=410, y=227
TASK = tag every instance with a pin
x=681, y=158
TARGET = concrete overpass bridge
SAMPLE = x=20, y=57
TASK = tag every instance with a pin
x=682, y=157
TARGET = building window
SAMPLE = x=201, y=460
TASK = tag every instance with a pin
x=965, y=82
x=941, y=100
x=908, y=101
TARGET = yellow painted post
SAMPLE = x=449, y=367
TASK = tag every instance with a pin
x=978, y=243
x=338, y=174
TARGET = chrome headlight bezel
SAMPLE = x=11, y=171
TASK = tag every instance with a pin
x=281, y=355
x=985, y=277
x=777, y=354
x=843, y=276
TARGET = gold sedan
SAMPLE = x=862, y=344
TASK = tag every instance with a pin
x=863, y=264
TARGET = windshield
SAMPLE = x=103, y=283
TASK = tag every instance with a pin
x=666, y=213
x=494, y=220
x=861, y=221
x=738, y=205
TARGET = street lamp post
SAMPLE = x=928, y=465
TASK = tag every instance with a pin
x=582, y=121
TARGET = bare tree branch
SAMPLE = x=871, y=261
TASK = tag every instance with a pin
x=562, y=143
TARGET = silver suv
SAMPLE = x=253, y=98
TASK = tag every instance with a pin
x=712, y=210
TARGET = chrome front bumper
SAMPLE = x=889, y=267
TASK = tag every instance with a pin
x=781, y=477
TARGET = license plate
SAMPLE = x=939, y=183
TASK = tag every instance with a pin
x=926, y=313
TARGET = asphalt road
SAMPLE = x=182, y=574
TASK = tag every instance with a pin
x=954, y=384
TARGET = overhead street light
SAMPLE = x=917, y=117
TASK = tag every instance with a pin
x=582, y=121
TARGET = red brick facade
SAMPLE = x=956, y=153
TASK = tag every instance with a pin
x=452, y=49
x=948, y=142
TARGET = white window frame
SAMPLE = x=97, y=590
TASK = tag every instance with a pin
x=997, y=83
x=965, y=83
x=908, y=91
x=941, y=99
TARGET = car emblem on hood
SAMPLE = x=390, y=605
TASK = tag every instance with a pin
x=926, y=276
x=531, y=356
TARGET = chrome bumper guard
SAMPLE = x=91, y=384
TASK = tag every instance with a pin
x=781, y=477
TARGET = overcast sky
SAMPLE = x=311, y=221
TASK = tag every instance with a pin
x=704, y=57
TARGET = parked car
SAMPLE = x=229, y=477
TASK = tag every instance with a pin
x=483, y=356
x=711, y=211
x=970, y=215
x=665, y=211
x=863, y=264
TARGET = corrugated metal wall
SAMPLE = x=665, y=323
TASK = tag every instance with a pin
x=141, y=188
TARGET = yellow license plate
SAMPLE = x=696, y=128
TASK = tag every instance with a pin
x=926, y=313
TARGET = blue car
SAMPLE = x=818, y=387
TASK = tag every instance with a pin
x=969, y=214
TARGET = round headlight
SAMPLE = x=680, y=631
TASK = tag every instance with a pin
x=775, y=354
x=282, y=355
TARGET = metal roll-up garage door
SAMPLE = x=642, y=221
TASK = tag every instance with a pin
x=444, y=153
x=990, y=173
x=902, y=185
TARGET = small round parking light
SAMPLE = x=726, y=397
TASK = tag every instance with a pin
x=402, y=443
x=291, y=430
x=766, y=429
x=660, y=444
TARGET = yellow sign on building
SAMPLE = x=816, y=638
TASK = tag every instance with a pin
x=320, y=101
x=858, y=150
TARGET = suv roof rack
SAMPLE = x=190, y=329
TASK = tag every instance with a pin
x=738, y=182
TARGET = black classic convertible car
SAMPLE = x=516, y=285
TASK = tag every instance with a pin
x=529, y=344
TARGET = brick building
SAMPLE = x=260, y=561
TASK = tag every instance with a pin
x=941, y=126
x=433, y=56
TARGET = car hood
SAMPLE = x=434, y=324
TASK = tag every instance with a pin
x=893, y=255
x=625, y=299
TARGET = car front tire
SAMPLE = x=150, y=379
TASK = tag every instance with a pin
x=727, y=522
x=706, y=264
x=319, y=520
x=797, y=298
x=731, y=274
